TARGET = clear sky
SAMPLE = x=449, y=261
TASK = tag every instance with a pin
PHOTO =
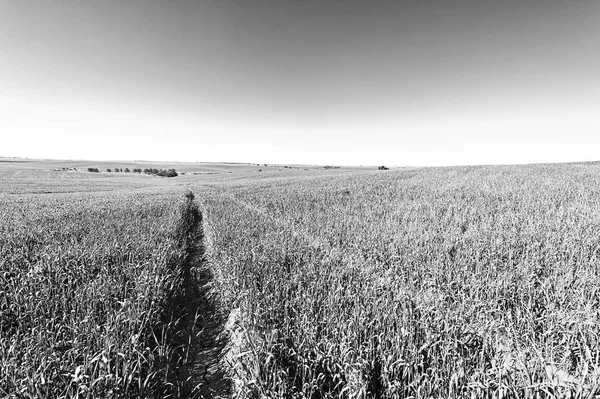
x=348, y=82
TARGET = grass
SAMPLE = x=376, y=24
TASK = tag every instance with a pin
x=450, y=282
x=86, y=285
x=415, y=283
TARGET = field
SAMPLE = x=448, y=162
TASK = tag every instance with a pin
x=326, y=283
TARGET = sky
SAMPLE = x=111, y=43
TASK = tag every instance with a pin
x=337, y=82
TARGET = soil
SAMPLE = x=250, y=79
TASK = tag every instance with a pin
x=203, y=366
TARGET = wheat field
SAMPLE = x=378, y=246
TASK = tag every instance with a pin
x=334, y=283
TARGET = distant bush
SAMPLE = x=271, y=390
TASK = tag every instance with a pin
x=136, y=170
x=383, y=168
x=168, y=173
x=93, y=170
x=108, y=170
x=161, y=172
x=127, y=170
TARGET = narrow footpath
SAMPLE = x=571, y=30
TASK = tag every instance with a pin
x=202, y=367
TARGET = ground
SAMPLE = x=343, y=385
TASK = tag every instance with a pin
x=475, y=281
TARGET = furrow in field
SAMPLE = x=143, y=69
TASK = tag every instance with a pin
x=295, y=230
x=203, y=324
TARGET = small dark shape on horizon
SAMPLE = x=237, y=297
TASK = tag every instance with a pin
x=160, y=172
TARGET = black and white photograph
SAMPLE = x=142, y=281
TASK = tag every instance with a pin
x=300, y=199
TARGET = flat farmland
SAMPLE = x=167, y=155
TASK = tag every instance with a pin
x=329, y=283
x=87, y=281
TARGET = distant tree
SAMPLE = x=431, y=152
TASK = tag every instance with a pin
x=108, y=170
x=127, y=170
x=95, y=170
x=159, y=172
x=383, y=168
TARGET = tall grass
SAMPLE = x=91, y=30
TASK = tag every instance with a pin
x=453, y=282
x=85, y=287
x=457, y=282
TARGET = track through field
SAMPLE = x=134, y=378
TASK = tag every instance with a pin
x=202, y=368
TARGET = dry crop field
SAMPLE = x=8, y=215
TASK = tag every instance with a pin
x=408, y=283
x=86, y=286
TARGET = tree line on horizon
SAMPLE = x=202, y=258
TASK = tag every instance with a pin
x=147, y=171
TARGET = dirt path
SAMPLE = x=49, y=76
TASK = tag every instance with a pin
x=203, y=363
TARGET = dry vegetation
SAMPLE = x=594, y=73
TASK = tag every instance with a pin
x=429, y=283
x=453, y=282
x=86, y=286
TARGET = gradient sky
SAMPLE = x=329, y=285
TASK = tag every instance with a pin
x=346, y=82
